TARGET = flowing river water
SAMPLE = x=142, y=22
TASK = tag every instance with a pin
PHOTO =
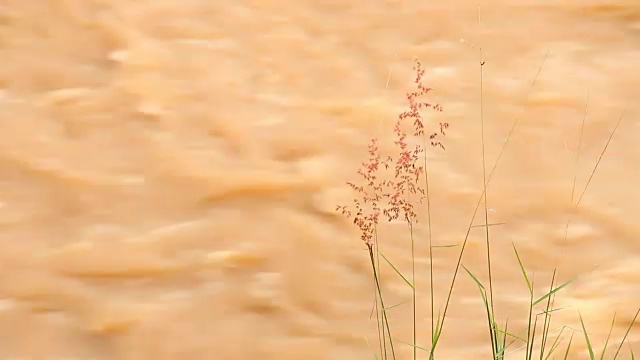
x=169, y=172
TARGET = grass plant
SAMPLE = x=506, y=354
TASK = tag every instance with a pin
x=392, y=187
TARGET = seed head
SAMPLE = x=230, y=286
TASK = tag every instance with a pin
x=395, y=198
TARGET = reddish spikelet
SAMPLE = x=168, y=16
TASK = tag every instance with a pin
x=415, y=106
x=367, y=218
x=399, y=193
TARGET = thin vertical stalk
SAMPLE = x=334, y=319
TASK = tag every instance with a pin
x=381, y=339
x=385, y=320
x=413, y=292
x=466, y=237
x=486, y=211
x=426, y=185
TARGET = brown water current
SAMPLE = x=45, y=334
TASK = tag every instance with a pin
x=169, y=172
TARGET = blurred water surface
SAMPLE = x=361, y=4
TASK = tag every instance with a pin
x=169, y=171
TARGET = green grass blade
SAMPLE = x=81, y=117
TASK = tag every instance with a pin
x=533, y=337
x=413, y=345
x=483, y=293
x=436, y=336
x=566, y=354
x=396, y=305
x=586, y=338
x=524, y=272
x=530, y=329
x=396, y=270
x=504, y=336
x=436, y=333
x=490, y=319
x=475, y=279
x=547, y=318
x=483, y=225
x=502, y=344
x=543, y=297
x=445, y=246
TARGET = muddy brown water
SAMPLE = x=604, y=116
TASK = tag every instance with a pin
x=169, y=172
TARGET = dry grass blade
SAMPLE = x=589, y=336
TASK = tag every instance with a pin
x=375, y=356
x=604, y=150
x=555, y=345
x=627, y=334
x=483, y=225
x=606, y=343
x=575, y=173
x=566, y=354
x=526, y=346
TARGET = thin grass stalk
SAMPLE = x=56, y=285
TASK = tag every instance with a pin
x=575, y=173
x=595, y=168
x=494, y=345
x=606, y=343
x=627, y=334
x=530, y=326
x=503, y=347
x=375, y=297
x=566, y=354
x=498, y=345
x=378, y=286
x=466, y=238
x=556, y=343
x=413, y=288
x=385, y=320
x=547, y=317
x=378, y=298
x=430, y=235
x=533, y=333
